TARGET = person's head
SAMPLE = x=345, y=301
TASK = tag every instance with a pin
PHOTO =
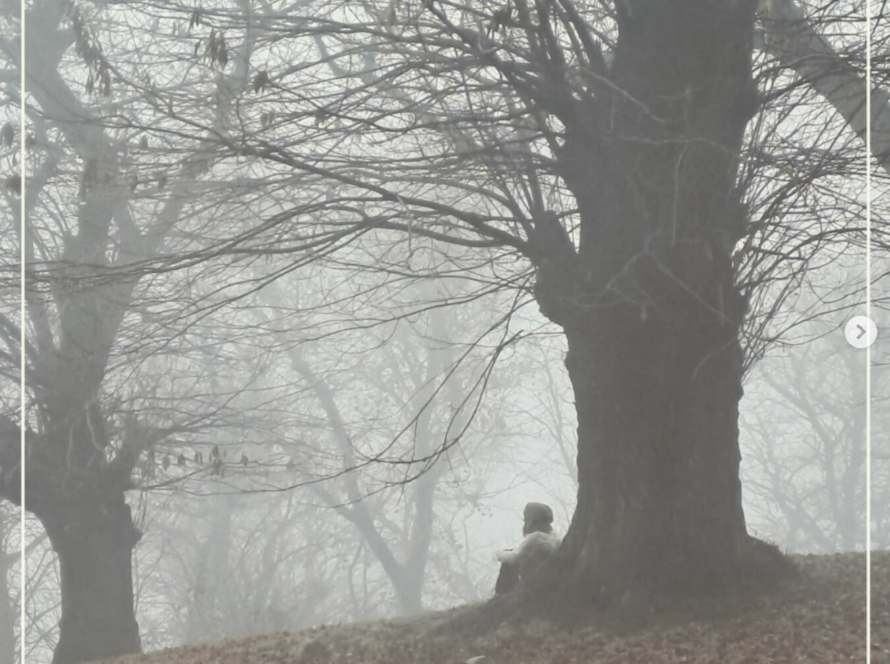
x=537, y=518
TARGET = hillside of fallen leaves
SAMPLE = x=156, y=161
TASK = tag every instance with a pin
x=821, y=617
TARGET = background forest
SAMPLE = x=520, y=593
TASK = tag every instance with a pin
x=281, y=292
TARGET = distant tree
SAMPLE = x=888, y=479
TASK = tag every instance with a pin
x=426, y=397
x=383, y=412
x=805, y=441
x=9, y=643
x=41, y=607
x=224, y=567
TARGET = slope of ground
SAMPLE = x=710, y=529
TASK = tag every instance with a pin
x=820, y=618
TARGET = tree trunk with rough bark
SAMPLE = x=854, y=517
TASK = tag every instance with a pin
x=78, y=494
x=652, y=314
x=94, y=537
x=80, y=500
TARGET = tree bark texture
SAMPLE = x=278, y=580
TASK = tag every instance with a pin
x=79, y=497
x=94, y=539
x=650, y=308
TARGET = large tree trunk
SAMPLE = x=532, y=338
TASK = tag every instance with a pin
x=650, y=309
x=94, y=539
x=78, y=494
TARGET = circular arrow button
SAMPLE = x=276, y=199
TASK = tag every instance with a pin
x=861, y=331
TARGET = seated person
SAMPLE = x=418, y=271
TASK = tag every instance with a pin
x=539, y=543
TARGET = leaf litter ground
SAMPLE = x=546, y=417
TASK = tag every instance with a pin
x=820, y=618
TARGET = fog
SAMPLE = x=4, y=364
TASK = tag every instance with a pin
x=295, y=309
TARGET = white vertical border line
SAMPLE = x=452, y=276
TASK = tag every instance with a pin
x=22, y=424
x=868, y=349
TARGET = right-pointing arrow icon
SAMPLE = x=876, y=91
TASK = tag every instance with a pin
x=861, y=332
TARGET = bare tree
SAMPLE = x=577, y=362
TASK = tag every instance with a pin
x=411, y=378
x=805, y=426
x=80, y=218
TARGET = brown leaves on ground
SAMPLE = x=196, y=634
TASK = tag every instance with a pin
x=819, y=619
